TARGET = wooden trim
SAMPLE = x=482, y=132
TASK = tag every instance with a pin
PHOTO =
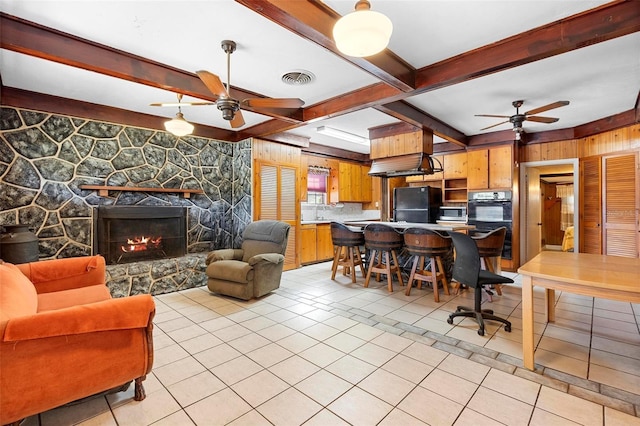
x=103, y=190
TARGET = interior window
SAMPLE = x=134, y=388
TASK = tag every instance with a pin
x=317, y=185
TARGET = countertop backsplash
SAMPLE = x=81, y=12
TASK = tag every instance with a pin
x=339, y=212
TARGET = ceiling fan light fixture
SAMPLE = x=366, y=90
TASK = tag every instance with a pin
x=363, y=32
x=179, y=126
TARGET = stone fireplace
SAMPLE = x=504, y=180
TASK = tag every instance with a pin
x=126, y=234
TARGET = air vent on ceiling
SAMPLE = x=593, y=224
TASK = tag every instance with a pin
x=298, y=77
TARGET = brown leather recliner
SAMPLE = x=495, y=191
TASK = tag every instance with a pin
x=256, y=268
x=63, y=338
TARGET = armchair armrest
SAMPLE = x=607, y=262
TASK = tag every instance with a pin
x=224, y=254
x=113, y=314
x=64, y=274
x=274, y=258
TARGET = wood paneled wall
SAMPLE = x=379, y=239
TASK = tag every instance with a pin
x=276, y=152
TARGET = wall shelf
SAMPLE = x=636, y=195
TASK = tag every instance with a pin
x=103, y=190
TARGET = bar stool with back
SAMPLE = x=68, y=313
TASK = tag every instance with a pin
x=346, y=250
x=384, y=243
x=424, y=244
x=466, y=270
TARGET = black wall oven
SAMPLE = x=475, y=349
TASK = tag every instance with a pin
x=489, y=210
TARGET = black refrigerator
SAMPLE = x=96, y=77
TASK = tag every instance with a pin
x=418, y=204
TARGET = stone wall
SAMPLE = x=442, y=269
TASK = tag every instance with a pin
x=44, y=158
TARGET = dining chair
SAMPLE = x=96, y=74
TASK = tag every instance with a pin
x=466, y=270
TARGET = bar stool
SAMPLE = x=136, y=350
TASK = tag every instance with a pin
x=384, y=242
x=490, y=248
x=424, y=243
x=346, y=250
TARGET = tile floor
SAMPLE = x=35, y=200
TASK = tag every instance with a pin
x=323, y=352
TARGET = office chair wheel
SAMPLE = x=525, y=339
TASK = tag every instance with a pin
x=507, y=328
x=481, y=331
x=450, y=320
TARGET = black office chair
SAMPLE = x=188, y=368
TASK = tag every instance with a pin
x=466, y=270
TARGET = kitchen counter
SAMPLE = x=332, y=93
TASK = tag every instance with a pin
x=405, y=225
x=322, y=221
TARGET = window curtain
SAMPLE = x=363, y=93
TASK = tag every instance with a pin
x=317, y=179
x=565, y=193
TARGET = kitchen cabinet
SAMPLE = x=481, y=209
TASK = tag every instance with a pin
x=316, y=244
x=354, y=183
x=490, y=168
x=402, y=144
x=455, y=166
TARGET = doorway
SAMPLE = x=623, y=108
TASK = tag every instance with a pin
x=537, y=178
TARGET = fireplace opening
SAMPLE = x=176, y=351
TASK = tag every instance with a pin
x=133, y=233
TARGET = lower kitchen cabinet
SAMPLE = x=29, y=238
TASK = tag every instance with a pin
x=315, y=243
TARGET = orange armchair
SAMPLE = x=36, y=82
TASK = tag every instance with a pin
x=62, y=336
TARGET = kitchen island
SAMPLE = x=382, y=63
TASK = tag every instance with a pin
x=401, y=226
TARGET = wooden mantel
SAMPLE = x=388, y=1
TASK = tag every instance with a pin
x=103, y=191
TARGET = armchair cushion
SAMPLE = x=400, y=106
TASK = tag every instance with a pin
x=17, y=294
x=231, y=270
x=72, y=297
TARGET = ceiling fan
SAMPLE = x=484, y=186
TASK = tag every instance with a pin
x=517, y=119
x=231, y=107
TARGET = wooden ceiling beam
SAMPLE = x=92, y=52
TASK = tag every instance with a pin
x=314, y=21
x=36, y=40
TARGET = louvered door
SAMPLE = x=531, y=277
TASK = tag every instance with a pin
x=276, y=199
x=590, y=205
x=621, y=205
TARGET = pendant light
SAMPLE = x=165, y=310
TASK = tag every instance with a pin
x=363, y=32
x=179, y=126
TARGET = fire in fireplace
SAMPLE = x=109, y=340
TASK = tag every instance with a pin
x=132, y=233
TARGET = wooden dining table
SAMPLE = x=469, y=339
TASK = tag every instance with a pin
x=607, y=277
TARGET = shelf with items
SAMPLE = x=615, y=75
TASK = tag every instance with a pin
x=455, y=190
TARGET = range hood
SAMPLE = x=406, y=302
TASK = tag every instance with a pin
x=404, y=165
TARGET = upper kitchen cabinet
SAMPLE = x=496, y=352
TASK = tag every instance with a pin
x=354, y=183
x=419, y=141
x=455, y=166
x=490, y=168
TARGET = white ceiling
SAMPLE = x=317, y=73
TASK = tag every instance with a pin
x=600, y=80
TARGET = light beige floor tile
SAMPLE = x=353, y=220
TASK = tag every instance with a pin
x=155, y=406
x=449, y=386
x=151, y=384
x=544, y=418
x=321, y=354
x=464, y=368
x=360, y=408
x=236, y=369
x=340, y=322
x=434, y=325
x=281, y=315
x=615, y=334
x=301, y=308
x=565, y=348
x=196, y=388
x=276, y=332
x=399, y=417
x=614, y=315
x=175, y=324
x=297, y=342
x=408, y=368
x=73, y=414
x=325, y=418
x=617, y=362
x=344, y=342
x=378, y=308
x=269, y=355
x=392, y=342
x=613, y=346
x=319, y=315
x=217, y=324
x=299, y=322
x=323, y=387
x=351, y=369
x=259, y=388
x=161, y=340
x=252, y=418
x=424, y=353
x=200, y=343
x=404, y=316
x=469, y=417
x=218, y=409
x=513, y=386
x=105, y=419
x=617, y=379
x=562, y=363
x=505, y=346
x=373, y=354
x=570, y=407
x=430, y=407
x=617, y=418
x=320, y=331
x=365, y=332
x=248, y=343
x=291, y=407
x=178, y=370
x=217, y=355
x=386, y=386
x=228, y=309
x=168, y=354
x=264, y=309
x=243, y=316
x=258, y=323
x=230, y=333
x=500, y=407
x=568, y=335
x=418, y=309
x=613, y=305
x=294, y=369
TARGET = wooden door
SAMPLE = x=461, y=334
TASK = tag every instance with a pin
x=620, y=220
x=277, y=198
x=590, y=205
x=533, y=214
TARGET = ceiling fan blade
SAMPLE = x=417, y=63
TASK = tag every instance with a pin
x=273, y=102
x=238, y=120
x=541, y=119
x=180, y=104
x=494, y=125
x=491, y=115
x=547, y=107
x=213, y=83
